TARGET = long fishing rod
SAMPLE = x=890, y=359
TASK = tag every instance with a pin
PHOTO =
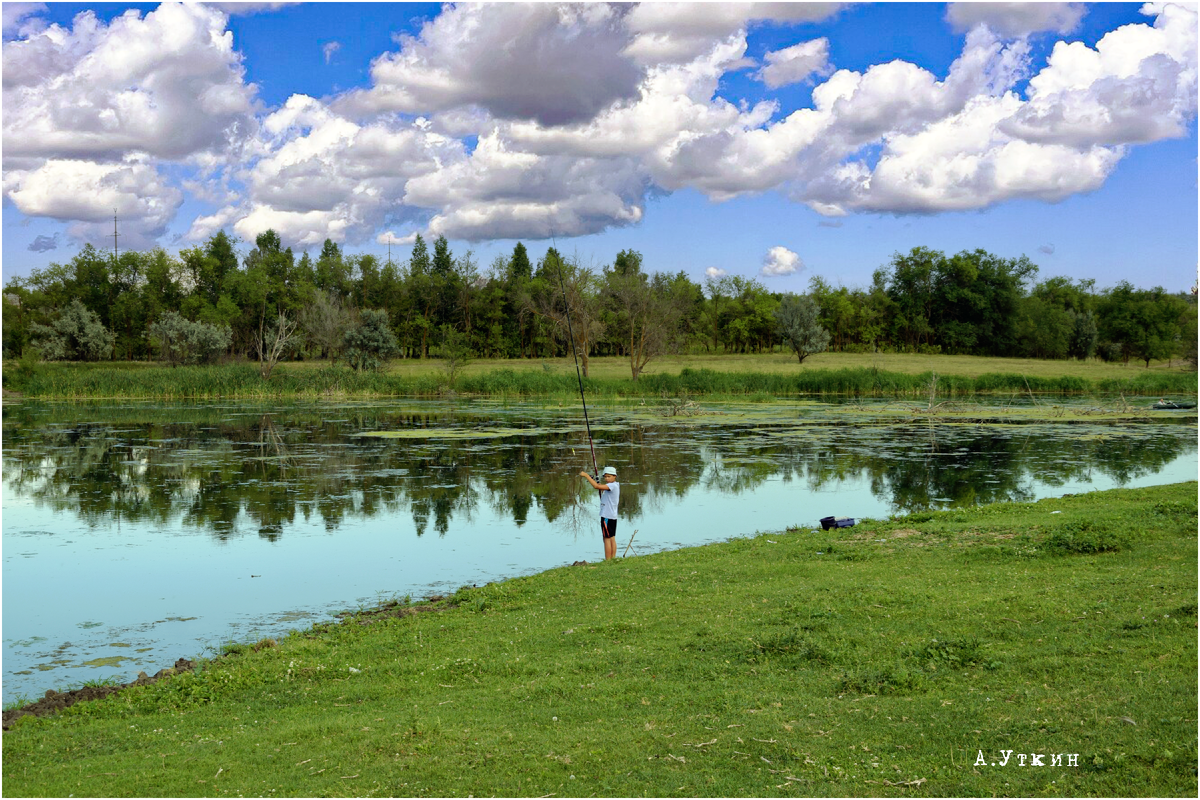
x=575, y=354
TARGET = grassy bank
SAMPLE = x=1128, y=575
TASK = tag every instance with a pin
x=878, y=661
x=731, y=377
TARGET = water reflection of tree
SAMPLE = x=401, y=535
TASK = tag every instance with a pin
x=274, y=469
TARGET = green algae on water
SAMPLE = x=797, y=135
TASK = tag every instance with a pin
x=110, y=661
x=448, y=433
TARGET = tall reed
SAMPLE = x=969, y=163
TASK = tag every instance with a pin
x=80, y=382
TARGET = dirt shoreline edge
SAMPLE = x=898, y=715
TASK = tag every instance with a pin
x=55, y=701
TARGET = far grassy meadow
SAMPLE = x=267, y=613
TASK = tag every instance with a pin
x=763, y=375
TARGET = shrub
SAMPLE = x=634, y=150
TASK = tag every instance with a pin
x=797, y=321
x=178, y=340
x=28, y=367
x=372, y=343
x=455, y=352
x=77, y=335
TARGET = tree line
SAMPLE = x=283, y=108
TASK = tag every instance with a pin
x=208, y=303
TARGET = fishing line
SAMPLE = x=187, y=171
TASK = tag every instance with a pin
x=574, y=353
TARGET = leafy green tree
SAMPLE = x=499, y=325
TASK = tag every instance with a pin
x=572, y=304
x=76, y=335
x=455, y=353
x=1144, y=324
x=911, y=289
x=1044, y=330
x=749, y=324
x=461, y=291
x=16, y=322
x=519, y=265
x=423, y=291
x=332, y=272
x=491, y=323
x=445, y=285
x=1067, y=294
x=713, y=313
x=798, y=322
x=1188, y=333
x=91, y=281
x=1084, y=335
x=645, y=313
x=369, y=345
x=518, y=298
x=209, y=267
x=178, y=340
x=443, y=260
x=324, y=323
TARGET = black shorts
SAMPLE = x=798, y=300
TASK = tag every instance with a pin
x=608, y=527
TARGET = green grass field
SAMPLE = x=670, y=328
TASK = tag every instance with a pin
x=731, y=376
x=896, y=658
x=614, y=367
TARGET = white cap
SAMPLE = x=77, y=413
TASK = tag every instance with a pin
x=610, y=471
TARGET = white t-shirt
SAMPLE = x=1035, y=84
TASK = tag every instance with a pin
x=609, y=500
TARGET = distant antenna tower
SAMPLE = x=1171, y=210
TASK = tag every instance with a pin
x=389, y=248
x=115, y=235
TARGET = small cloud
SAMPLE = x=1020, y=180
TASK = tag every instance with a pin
x=388, y=236
x=780, y=261
x=246, y=9
x=829, y=224
x=715, y=273
x=43, y=243
x=796, y=63
x=827, y=209
x=329, y=48
x=1048, y=249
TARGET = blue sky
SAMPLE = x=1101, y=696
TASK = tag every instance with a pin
x=774, y=142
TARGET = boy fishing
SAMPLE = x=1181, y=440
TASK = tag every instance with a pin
x=610, y=495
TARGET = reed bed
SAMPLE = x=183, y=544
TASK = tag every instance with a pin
x=243, y=381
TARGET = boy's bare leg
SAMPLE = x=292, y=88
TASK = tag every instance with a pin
x=610, y=548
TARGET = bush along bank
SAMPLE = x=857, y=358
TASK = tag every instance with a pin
x=81, y=382
x=1015, y=649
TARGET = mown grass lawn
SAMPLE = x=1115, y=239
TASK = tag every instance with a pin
x=881, y=661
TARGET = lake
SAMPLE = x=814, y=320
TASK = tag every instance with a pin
x=138, y=533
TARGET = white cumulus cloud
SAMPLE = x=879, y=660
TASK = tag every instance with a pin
x=576, y=115
x=1015, y=20
x=680, y=32
x=88, y=194
x=323, y=176
x=715, y=273
x=387, y=237
x=796, y=63
x=501, y=193
x=168, y=85
x=780, y=261
x=1137, y=85
x=545, y=62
